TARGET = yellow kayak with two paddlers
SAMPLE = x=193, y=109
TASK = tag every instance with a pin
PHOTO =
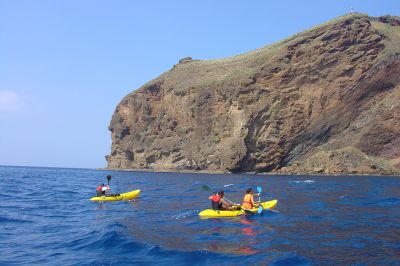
x=124, y=196
x=267, y=205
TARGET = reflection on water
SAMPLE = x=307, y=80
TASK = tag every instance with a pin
x=249, y=232
x=244, y=231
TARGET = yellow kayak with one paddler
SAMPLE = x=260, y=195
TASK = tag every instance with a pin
x=267, y=205
x=124, y=196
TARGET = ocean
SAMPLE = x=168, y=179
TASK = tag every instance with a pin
x=46, y=218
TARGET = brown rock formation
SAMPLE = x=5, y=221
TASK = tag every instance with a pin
x=323, y=101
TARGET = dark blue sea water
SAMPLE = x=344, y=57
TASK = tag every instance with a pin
x=46, y=218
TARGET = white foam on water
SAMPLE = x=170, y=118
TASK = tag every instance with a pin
x=302, y=181
x=185, y=214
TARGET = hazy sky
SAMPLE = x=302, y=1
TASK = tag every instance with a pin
x=65, y=65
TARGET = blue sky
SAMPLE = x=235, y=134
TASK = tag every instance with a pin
x=65, y=65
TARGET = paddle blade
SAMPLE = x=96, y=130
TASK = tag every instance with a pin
x=259, y=189
x=260, y=209
x=205, y=187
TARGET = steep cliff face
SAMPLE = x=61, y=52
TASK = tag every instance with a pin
x=323, y=101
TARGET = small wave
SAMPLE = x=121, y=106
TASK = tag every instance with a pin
x=164, y=256
x=365, y=201
x=302, y=181
x=2, y=195
x=228, y=185
x=111, y=241
x=291, y=260
x=385, y=202
x=115, y=225
x=13, y=220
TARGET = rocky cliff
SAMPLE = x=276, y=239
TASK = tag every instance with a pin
x=323, y=101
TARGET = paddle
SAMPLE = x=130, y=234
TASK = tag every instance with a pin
x=260, y=208
x=108, y=184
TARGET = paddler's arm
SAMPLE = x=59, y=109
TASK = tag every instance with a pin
x=105, y=188
x=226, y=203
x=255, y=203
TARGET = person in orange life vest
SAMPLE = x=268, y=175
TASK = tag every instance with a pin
x=248, y=200
x=218, y=202
x=101, y=190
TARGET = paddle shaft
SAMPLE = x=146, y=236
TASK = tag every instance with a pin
x=260, y=207
x=108, y=183
x=228, y=200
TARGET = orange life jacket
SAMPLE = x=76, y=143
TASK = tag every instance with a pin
x=247, y=202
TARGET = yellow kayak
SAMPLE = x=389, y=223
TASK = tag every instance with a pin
x=216, y=213
x=124, y=196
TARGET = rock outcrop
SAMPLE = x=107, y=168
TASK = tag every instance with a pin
x=323, y=101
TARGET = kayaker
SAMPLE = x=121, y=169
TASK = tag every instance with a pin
x=101, y=190
x=218, y=202
x=248, y=200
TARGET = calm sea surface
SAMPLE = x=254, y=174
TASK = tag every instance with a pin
x=46, y=218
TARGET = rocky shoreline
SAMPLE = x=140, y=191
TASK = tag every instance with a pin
x=282, y=173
